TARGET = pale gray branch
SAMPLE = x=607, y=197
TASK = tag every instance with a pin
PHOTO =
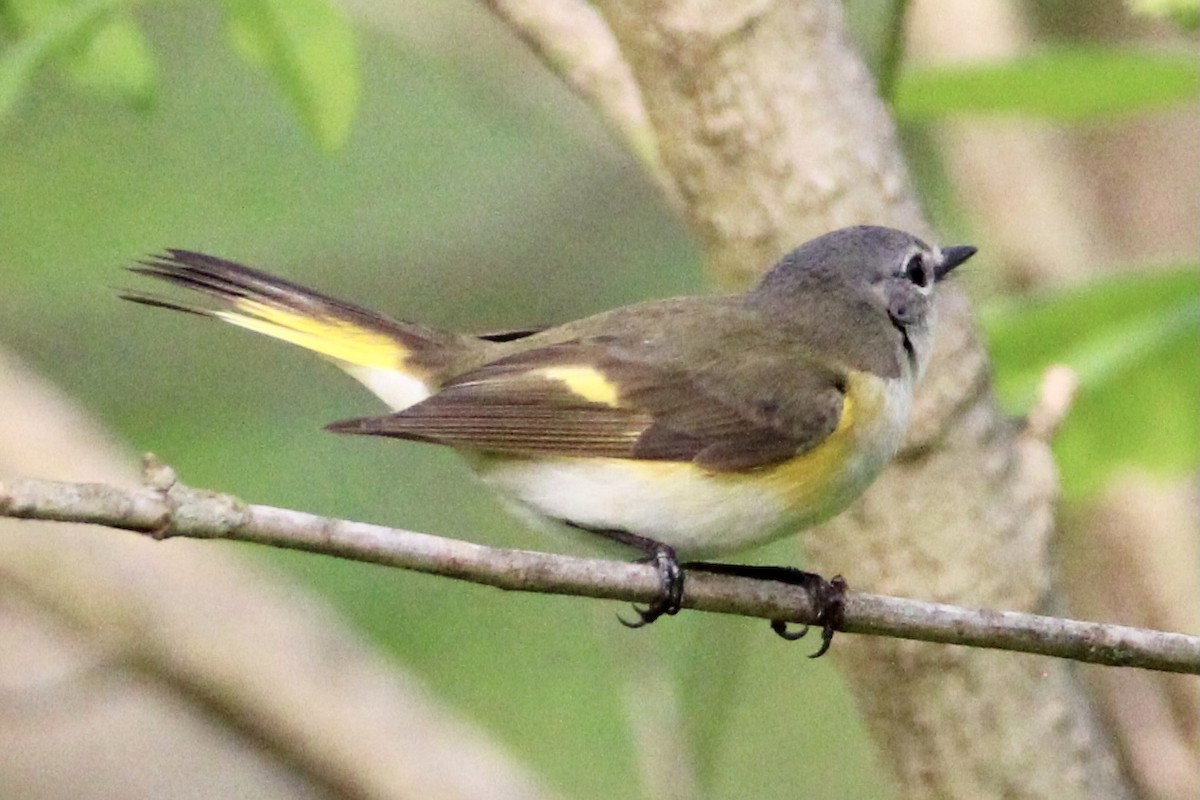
x=574, y=41
x=165, y=508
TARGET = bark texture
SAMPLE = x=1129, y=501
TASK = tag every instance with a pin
x=771, y=128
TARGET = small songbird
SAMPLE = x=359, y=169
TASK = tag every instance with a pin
x=694, y=426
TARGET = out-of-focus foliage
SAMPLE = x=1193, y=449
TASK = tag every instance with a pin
x=48, y=32
x=97, y=42
x=306, y=47
x=1066, y=84
x=878, y=30
x=1134, y=343
x=1184, y=13
x=472, y=192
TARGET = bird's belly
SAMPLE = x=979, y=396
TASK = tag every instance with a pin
x=703, y=513
x=674, y=503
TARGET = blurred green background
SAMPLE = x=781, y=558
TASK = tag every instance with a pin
x=473, y=191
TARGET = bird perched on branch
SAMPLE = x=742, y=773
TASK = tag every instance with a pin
x=694, y=426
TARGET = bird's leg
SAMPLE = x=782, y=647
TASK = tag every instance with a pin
x=669, y=573
x=829, y=596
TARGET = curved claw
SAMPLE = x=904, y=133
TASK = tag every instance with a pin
x=780, y=626
x=831, y=597
x=826, y=641
x=645, y=617
x=671, y=601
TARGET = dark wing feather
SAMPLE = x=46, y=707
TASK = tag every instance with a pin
x=739, y=417
x=510, y=335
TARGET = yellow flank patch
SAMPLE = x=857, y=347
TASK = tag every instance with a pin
x=825, y=478
x=809, y=479
x=847, y=419
x=810, y=483
x=584, y=381
x=336, y=339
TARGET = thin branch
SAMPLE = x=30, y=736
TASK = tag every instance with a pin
x=574, y=42
x=165, y=508
x=1056, y=395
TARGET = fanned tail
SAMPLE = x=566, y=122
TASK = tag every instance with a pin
x=401, y=362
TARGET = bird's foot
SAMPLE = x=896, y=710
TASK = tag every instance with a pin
x=670, y=576
x=829, y=597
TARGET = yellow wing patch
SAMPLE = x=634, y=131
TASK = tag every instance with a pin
x=336, y=339
x=584, y=381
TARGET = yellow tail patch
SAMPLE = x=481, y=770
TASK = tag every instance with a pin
x=337, y=339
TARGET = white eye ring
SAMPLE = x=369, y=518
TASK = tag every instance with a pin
x=915, y=271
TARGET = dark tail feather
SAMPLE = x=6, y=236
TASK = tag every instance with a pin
x=235, y=290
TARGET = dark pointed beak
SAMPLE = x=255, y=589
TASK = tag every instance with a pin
x=951, y=257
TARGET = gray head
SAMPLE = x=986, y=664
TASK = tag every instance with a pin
x=865, y=293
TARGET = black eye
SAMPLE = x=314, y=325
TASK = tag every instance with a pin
x=914, y=270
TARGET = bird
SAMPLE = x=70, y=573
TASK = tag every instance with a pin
x=691, y=427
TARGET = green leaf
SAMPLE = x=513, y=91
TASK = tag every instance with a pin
x=1068, y=84
x=308, y=48
x=1134, y=343
x=112, y=56
x=117, y=60
x=57, y=31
